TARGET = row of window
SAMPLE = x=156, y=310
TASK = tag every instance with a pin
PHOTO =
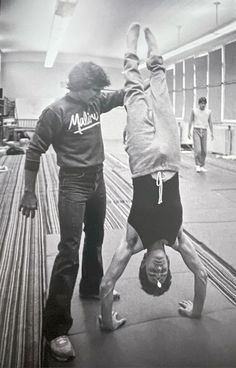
x=213, y=76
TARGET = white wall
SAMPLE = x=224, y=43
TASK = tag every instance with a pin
x=24, y=76
x=113, y=124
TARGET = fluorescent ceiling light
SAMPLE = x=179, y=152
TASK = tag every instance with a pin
x=202, y=40
x=58, y=30
x=62, y=17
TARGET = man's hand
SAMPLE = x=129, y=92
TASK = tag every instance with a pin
x=115, y=323
x=189, y=136
x=212, y=136
x=28, y=204
x=186, y=309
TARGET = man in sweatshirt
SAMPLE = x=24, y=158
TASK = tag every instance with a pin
x=72, y=126
x=155, y=218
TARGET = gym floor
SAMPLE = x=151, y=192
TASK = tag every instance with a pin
x=155, y=335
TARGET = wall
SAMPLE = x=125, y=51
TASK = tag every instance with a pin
x=27, y=81
x=24, y=76
x=113, y=124
x=212, y=75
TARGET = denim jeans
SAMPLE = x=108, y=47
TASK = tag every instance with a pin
x=82, y=200
x=200, y=145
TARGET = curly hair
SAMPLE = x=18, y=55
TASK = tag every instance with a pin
x=148, y=286
x=85, y=75
x=202, y=100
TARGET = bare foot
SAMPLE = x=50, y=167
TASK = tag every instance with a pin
x=151, y=42
x=132, y=37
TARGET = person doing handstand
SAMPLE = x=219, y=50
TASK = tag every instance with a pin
x=155, y=218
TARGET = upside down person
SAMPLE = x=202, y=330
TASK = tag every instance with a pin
x=155, y=219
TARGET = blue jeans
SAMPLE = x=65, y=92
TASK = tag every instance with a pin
x=82, y=200
x=200, y=146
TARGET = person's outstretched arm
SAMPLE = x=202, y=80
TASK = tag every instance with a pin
x=190, y=124
x=186, y=248
x=211, y=126
x=109, y=319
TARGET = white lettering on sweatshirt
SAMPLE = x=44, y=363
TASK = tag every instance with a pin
x=87, y=121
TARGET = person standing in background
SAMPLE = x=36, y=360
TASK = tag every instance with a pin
x=200, y=119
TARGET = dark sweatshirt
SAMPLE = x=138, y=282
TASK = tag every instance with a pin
x=74, y=130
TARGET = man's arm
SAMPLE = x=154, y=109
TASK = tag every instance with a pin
x=186, y=248
x=211, y=126
x=109, y=320
x=47, y=128
x=28, y=203
x=110, y=100
x=190, y=124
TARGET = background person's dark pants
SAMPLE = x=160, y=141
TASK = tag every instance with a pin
x=82, y=199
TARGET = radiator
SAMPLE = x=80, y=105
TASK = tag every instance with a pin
x=26, y=123
x=222, y=142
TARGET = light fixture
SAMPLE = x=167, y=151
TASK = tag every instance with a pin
x=217, y=3
x=62, y=17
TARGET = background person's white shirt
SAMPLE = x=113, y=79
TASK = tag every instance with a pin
x=201, y=118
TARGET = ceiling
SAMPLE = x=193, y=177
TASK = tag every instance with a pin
x=98, y=27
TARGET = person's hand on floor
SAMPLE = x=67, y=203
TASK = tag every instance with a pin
x=116, y=322
x=186, y=309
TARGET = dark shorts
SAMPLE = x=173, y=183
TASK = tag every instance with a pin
x=151, y=220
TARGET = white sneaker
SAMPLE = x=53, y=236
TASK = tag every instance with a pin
x=198, y=169
x=62, y=349
x=3, y=168
x=202, y=169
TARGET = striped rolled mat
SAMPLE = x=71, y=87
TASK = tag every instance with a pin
x=22, y=288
